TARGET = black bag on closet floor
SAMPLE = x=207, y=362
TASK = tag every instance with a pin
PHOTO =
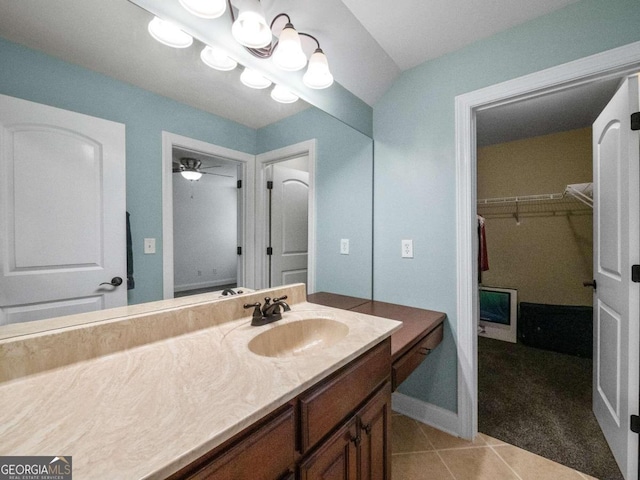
x=559, y=328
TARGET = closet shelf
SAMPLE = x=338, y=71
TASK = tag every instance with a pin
x=580, y=191
x=576, y=199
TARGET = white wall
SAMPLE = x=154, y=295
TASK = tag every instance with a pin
x=205, y=232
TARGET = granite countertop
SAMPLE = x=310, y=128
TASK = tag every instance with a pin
x=148, y=410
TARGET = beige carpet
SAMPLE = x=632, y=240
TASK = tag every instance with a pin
x=541, y=401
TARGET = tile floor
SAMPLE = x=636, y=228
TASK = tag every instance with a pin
x=421, y=452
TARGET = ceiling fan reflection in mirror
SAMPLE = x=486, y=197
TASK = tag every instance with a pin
x=192, y=169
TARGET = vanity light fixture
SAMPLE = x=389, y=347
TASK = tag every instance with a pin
x=287, y=51
x=217, y=58
x=253, y=79
x=205, y=8
x=283, y=95
x=169, y=33
x=250, y=28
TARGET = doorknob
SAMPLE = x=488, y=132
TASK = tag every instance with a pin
x=115, y=282
x=591, y=283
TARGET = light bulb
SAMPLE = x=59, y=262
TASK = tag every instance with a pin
x=283, y=95
x=318, y=75
x=253, y=79
x=191, y=175
x=217, y=58
x=169, y=34
x=205, y=8
x=289, y=55
x=250, y=28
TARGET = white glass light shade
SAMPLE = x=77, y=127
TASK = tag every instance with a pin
x=191, y=174
x=169, y=34
x=283, y=95
x=318, y=75
x=289, y=55
x=217, y=58
x=253, y=79
x=205, y=8
x=250, y=28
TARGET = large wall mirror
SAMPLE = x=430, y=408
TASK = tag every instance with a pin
x=77, y=55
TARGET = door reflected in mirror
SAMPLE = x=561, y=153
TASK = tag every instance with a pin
x=205, y=224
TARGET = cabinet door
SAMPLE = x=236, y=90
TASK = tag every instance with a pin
x=267, y=453
x=375, y=447
x=337, y=457
x=324, y=407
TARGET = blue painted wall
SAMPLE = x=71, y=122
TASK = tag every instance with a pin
x=344, y=181
x=31, y=75
x=415, y=160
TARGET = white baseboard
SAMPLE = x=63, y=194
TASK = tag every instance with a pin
x=194, y=286
x=426, y=413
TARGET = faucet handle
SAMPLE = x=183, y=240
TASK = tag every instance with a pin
x=256, y=308
x=279, y=299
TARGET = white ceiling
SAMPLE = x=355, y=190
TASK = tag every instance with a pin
x=368, y=43
x=414, y=31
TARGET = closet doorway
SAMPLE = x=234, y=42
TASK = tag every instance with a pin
x=534, y=198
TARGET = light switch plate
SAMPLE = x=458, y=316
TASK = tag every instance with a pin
x=344, y=246
x=407, y=248
x=149, y=246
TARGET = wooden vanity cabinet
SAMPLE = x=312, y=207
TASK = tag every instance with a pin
x=360, y=449
x=409, y=361
x=265, y=451
x=338, y=429
x=336, y=458
x=375, y=441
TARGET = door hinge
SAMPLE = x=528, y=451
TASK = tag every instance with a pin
x=239, y=183
x=269, y=251
x=239, y=250
x=635, y=121
x=635, y=273
x=270, y=185
x=635, y=423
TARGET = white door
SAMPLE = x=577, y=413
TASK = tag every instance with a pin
x=289, y=226
x=62, y=212
x=616, y=247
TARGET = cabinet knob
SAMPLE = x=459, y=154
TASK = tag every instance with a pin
x=424, y=351
x=367, y=428
x=356, y=440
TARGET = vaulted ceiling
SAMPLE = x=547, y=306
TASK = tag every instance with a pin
x=368, y=42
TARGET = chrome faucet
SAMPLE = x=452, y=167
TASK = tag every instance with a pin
x=269, y=312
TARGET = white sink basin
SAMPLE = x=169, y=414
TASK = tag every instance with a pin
x=298, y=338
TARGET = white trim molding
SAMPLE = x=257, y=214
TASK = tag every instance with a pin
x=617, y=62
x=247, y=163
x=263, y=160
x=426, y=413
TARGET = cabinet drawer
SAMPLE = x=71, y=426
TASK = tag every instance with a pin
x=406, y=364
x=324, y=407
x=266, y=453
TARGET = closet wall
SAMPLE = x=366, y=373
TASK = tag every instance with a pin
x=548, y=255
